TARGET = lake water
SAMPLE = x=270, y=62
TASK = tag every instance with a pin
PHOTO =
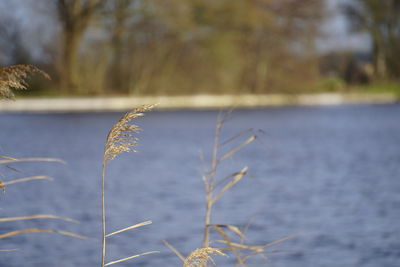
x=330, y=175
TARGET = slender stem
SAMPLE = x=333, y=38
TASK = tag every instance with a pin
x=210, y=182
x=214, y=162
x=206, y=239
x=103, y=215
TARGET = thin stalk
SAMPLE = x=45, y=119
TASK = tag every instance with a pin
x=120, y=139
x=209, y=182
x=103, y=215
x=207, y=222
x=214, y=162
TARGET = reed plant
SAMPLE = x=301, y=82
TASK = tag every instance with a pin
x=121, y=138
x=15, y=77
x=215, y=187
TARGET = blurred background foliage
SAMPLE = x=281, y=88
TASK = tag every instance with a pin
x=169, y=47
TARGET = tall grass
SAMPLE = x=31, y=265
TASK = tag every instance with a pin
x=121, y=138
x=215, y=188
x=15, y=77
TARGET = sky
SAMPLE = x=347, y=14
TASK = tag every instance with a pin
x=337, y=36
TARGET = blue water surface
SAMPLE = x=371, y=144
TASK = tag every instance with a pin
x=330, y=175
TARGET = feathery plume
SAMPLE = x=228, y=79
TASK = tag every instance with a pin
x=120, y=138
x=200, y=257
x=15, y=77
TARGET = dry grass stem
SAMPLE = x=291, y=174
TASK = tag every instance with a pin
x=130, y=227
x=6, y=157
x=9, y=250
x=232, y=228
x=240, y=134
x=201, y=257
x=7, y=161
x=177, y=253
x=131, y=257
x=254, y=249
x=15, y=77
x=212, y=184
x=119, y=139
x=223, y=180
x=231, y=183
x=20, y=180
x=228, y=242
x=39, y=216
x=36, y=230
x=238, y=148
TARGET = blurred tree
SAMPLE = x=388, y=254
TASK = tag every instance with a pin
x=191, y=46
x=381, y=20
x=120, y=14
x=75, y=16
x=223, y=46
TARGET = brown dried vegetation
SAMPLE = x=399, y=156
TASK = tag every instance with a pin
x=120, y=139
x=15, y=77
x=201, y=257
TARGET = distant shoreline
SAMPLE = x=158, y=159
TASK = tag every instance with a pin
x=99, y=104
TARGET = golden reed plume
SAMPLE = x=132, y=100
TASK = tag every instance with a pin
x=120, y=138
x=200, y=257
x=15, y=77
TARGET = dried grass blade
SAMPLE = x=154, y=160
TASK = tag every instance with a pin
x=71, y=234
x=254, y=253
x=223, y=180
x=279, y=241
x=177, y=253
x=231, y=183
x=258, y=247
x=238, y=148
x=233, y=228
x=32, y=159
x=39, y=216
x=5, y=157
x=241, y=133
x=36, y=230
x=130, y=227
x=9, y=250
x=20, y=180
x=241, y=246
x=131, y=257
x=228, y=242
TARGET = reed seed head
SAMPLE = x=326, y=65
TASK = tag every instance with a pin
x=200, y=257
x=121, y=136
x=15, y=77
